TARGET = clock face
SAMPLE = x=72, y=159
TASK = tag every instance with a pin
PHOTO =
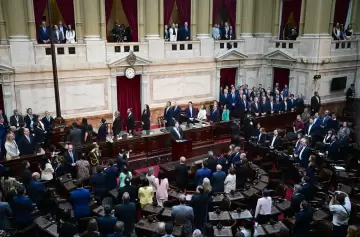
x=130, y=73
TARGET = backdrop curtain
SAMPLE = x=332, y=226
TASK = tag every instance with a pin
x=341, y=11
x=168, y=8
x=231, y=9
x=290, y=15
x=128, y=96
x=39, y=9
x=227, y=76
x=130, y=9
x=184, y=7
x=66, y=8
x=108, y=8
x=281, y=76
x=217, y=5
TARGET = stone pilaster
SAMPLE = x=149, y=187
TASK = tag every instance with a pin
x=355, y=17
x=92, y=20
x=31, y=20
x=79, y=21
x=317, y=17
x=247, y=18
x=161, y=18
x=238, y=25
x=141, y=20
x=3, y=36
x=276, y=18
x=203, y=19
x=152, y=19
x=193, y=19
x=17, y=27
x=302, y=17
x=102, y=20
x=332, y=14
x=263, y=19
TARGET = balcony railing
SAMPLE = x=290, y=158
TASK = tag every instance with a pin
x=119, y=50
x=182, y=49
x=223, y=45
x=343, y=44
x=289, y=46
x=66, y=53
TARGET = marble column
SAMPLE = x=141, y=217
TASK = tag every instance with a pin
x=355, y=17
x=161, y=18
x=3, y=36
x=317, y=17
x=263, y=17
x=31, y=20
x=247, y=18
x=238, y=25
x=193, y=19
x=302, y=17
x=332, y=14
x=102, y=20
x=78, y=21
x=92, y=19
x=16, y=20
x=276, y=17
x=141, y=24
x=203, y=11
x=211, y=9
x=152, y=19
x=217, y=83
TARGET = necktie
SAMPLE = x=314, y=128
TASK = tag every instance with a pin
x=256, y=105
x=72, y=157
x=28, y=138
x=190, y=112
x=174, y=33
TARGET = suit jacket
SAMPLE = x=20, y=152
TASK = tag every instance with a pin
x=184, y=33
x=183, y=215
x=68, y=158
x=131, y=190
x=306, y=190
x=145, y=118
x=304, y=154
x=242, y=173
x=271, y=106
x=14, y=122
x=175, y=135
x=254, y=108
x=176, y=112
x=166, y=35
x=333, y=150
x=44, y=34
x=224, y=99
x=190, y=115
x=26, y=147
x=98, y=182
x=181, y=171
x=106, y=224
x=47, y=123
x=264, y=107
x=261, y=139
x=126, y=213
x=111, y=176
x=201, y=174
x=80, y=199
x=313, y=131
x=122, y=161
x=28, y=120
x=232, y=99
x=296, y=199
x=277, y=107
x=325, y=120
x=292, y=103
x=130, y=122
x=102, y=133
x=217, y=181
x=277, y=141
x=211, y=163
x=6, y=121
x=168, y=117
x=199, y=203
x=5, y=214
x=214, y=116
x=22, y=208
x=75, y=137
x=303, y=221
x=58, y=38
x=64, y=30
x=117, y=126
x=287, y=107
x=35, y=190
x=315, y=104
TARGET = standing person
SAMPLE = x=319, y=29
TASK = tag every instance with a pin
x=117, y=125
x=12, y=150
x=70, y=35
x=315, y=103
x=263, y=208
x=199, y=202
x=162, y=186
x=183, y=215
x=145, y=118
x=76, y=135
x=225, y=114
x=182, y=174
x=102, y=131
x=83, y=169
x=111, y=175
x=130, y=121
x=16, y=120
x=303, y=219
x=168, y=115
x=146, y=194
x=340, y=207
x=350, y=96
x=123, y=175
x=126, y=213
x=230, y=181
x=217, y=179
x=79, y=199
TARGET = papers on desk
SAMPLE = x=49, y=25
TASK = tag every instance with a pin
x=181, y=140
x=321, y=154
x=339, y=168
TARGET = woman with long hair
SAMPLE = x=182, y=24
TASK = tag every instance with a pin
x=47, y=171
x=123, y=175
x=70, y=35
x=207, y=186
x=145, y=118
x=8, y=185
x=12, y=150
x=145, y=194
x=162, y=186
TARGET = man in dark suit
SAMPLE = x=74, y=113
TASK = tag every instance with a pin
x=29, y=119
x=224, y=98
x=106, y=223
x=312, y=129
x=285, y=105
x=202, y=173
x=306, y=188
x=304, y=153
x=63, y=30
x=16, y=120
x=36, y=189
x=44, y=34
x=48, y=121
x=262, y=137
x=166, y=33
x=214, y=115
x=315, y=103
x=296, y=199
x=211, y=161
x=232, y=99
x=116, y=124
x=130, y=189
x=185, y=32
x=22, y=207
x=79, y=199
x=102, y=131
x=75, y=135
x=2, y=115
x=243, y=106
x=98, y=182
x=190, y=113
x=130, y=121
x=118, y=230
x=199, y=203
x=275, y=141
x=183, y=215
x=276, y=87
x=122, y=160
x=292, y=102
x=126, y=212
x=277, y=105
x=303, y=219
x=333, y=149
x=176, y=112
x=181, y=171
x=168, y=115
x=255, y=107
x=26, y=143
x=70, y=159
x=217, y=179
x=264, y=106
x=176, y=132
x=111, y=173
x=242, y=172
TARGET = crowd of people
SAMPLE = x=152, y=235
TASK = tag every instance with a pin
x=174, y=33
x=223, y=31
x=61, y=34
x=121, y=33
x=340, y=33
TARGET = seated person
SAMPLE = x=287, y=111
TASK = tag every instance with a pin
x=79, y=199
x=190, y=113
x=22, y=208
x=262, y=137
x=275, y=141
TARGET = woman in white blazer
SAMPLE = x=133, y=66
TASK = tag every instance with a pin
x=173, y=33
x=202, y=113
x=230, y=181
x=47, y=171
x=70, y=35
x=12, y=150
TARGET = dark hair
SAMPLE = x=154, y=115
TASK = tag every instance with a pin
x=20, y=190
x=208, y=230
x=161, y=176
x=200, y=188
x=305, y=205
x=99, y=169
x=84, y=121
x=111, y=162
x=169, y=228
x=107, y=210
x=284, y=232
x=79, y=184
x=232, y=171
x=145, y=183
x=266, y=193
x=103, y=120
x=306, y=179
x=35, y=125
x=89, y=128
x=65, y=215
x=125, y=170
x=27, y=110
x=341, y=198
x=52, y=148
x=75, y=125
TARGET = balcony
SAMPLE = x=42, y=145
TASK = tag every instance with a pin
x=344, y=48
x=220, y=46
x=182, y=49
x=289, y=46
x=65, y=53
x=119, y=50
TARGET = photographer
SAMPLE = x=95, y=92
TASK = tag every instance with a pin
x=340, y=207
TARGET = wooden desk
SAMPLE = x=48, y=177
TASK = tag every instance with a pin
x=222, y=216
x=16, y=167
x=241, y=216
x=150, y=209
x=200, y=136
x=274, y=121
x=273, y=229
x=223, y=232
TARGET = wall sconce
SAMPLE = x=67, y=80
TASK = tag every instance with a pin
x=326, y=61
x=316, y=78
x=304, y=60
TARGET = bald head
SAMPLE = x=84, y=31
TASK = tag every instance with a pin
x=161, y=228
x=182, y=159
x=218, y=167
x=126, y=197
x=35, y=175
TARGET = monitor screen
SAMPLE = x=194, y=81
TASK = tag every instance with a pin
x=338, y=84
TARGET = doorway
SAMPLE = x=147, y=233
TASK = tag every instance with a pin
x=281, y=76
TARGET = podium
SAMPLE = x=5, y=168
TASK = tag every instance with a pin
x=181, y=148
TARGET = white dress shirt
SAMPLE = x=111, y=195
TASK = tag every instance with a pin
x=273, y=140
x=302, y=150
x=340, y=216
x=230, y=183
x=263, y=206
x=309, y=130
x=47, y=173
x=177, y=132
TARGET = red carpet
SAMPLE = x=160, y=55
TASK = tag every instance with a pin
x=144, y=170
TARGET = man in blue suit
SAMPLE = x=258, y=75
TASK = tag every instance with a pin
x=98, y=182
x=317, y=119
x=224, y=98
x=306, y=188
x=22, y=207
x=292, y=102
x=304, y=152
x=111, y=175
x=70, y=160
x=126, y=212
x=36, y=189
x=201, y=174
x=311, y=128
x=232, y=99
x=44, y=34
x=176, y=112
x=118, y=230
x=106, y=223
x=183, y=215
x=277, y=105
x=185, y=32
x=79, y=200
x=303, y=221
x=168, y=115
x=214, y=115
x=5, y=214
x=326, y=118
x=264, y=106
x=190, y=113
x=217, y=179
x=285, y=105
x=102, y=131
x=286, y=90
